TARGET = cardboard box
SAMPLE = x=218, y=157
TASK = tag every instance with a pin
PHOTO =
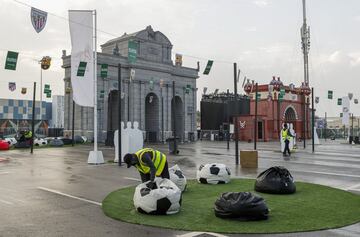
x=248, y=159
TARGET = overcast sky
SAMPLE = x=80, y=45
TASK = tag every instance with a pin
x=262, y=36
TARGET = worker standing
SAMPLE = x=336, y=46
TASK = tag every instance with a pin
x=149, y=163
x=286, y=136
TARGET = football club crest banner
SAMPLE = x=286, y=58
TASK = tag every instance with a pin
x=208, y=67
x=45, y=62
x=12, y=86
x=82, y=57
x=38, y=19
x=132, y=74
x=345, y=110
x=350, y=95
x=178, y=59
x=23, y=90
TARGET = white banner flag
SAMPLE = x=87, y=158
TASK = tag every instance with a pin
x=82, y=78
x=345, y=110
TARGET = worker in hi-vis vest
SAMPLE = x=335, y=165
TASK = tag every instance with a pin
x=286, y=136
x=149, y=163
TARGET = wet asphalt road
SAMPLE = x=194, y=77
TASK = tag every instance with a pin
x=54, y=192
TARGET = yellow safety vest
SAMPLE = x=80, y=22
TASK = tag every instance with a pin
x=28, y=134
x=284, y=135
x=158, y=158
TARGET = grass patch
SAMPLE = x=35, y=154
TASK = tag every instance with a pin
x=312, y=207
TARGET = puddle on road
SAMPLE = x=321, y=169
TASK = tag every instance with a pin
x=185, y=161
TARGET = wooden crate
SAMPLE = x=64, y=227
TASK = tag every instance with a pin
x=248, y=159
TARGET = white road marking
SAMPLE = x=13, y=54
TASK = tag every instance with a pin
x=327, y=173
x=6, y=202
x=192, y=234
x=5, y=172
x=68, y=195
x=354, y=187
x=135, y=179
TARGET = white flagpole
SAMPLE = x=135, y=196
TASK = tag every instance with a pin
x=95, y=84
x=95, y=156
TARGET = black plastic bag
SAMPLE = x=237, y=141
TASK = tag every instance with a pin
x=275, y=180
x=241, y=205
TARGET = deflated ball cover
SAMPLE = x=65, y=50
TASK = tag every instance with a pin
x=241, y=205
x=275, y=180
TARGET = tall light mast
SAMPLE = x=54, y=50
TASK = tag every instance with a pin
x=305, y=44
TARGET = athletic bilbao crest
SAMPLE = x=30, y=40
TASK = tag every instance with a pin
x=12, y=86
x=38, y=19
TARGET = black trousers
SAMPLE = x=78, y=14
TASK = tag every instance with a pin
x=164, y=174
x=287, y=149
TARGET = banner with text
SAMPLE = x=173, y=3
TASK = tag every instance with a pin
x=82, y=57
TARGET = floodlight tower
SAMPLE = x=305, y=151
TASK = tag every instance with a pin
x=305, y=44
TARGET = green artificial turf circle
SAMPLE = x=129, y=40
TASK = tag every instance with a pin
x=312, y=207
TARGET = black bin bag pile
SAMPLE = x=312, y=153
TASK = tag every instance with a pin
x=241, y=205
x=275, y=180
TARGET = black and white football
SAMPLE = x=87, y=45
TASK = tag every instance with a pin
x=213, y=173
x=164, y=200
x=177, y=176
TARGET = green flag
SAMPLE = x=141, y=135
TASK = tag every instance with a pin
x=208, y=67
x=330, y=95
x=281, y=97
x=132, y=51
x=258, y=96
x=187, y=89
x=339, y=102
x=282, y=91
x=81, y=69
x=11, y=60
x=104, y=70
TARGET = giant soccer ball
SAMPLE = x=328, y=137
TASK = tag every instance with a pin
x=213, y=173
x=40, y=142
x=164, y=200
x=177, y=176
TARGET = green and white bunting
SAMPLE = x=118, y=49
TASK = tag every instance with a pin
x=330, y=95
x=81, y=69
x=339, y=101
x=132, y=51
x=46, y=88
x=104, y=70
x=48, y=94
x=11, y=60
x=208, y=67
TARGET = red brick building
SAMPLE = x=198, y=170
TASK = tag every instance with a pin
x=274, y=112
